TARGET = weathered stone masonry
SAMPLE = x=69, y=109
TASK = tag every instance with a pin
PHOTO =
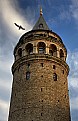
x=40, y=87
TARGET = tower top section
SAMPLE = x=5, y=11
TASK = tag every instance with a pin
x=41, y=23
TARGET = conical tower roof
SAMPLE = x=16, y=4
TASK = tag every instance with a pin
x=41, y=23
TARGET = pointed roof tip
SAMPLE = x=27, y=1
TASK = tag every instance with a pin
x=41, y=11
x=41, y=23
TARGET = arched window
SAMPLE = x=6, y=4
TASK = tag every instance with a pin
x=53, y=50
x=40, y=26
x=41, y=47
x=61, y=54
x=54, y=67
x=54, y=76
x=29, y=48
x=27, y=75
x=20, y=52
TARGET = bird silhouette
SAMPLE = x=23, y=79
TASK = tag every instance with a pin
x=19, y=26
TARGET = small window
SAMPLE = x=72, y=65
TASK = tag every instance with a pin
x=41, y=114
x=54, y=76
x=41, y=50
x=27, y=75
x=61, y=54
x=41, y=89
x=63, y=71
x=41, y=47
x=20, y=52
x=40, y=25
x=53, y=50
x=15, y=94
x=54, y=67
x=42, y=108
x=65, y=96
x=29, y=48
x=28, y=65
x=42, y=64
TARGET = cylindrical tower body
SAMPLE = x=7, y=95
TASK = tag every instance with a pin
x=40, y=87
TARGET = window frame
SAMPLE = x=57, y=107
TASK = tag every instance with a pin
x=54, y=76
x=27, y=75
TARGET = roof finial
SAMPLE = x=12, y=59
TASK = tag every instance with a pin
x=41, y=11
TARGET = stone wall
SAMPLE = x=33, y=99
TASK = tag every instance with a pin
x=40, y=98
x=40, y=86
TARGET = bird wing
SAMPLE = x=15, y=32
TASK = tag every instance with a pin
x=16, y=24
x=22, y=28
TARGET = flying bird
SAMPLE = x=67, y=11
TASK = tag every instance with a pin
x=19, y=26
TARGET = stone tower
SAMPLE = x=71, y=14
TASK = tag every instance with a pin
x=40, y=87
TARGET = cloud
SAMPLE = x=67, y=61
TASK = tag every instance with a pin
x=3, y=110
x=74, y=9
x=74, y=111
x=72, y=61
x=71, y=13
x=74, y=103
x=5, y=85
x=7, y=63
x=65, y=15
x=75, y=115
x=74, y=82
x=10, y=13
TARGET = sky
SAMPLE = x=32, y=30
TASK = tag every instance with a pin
x=61, y=17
